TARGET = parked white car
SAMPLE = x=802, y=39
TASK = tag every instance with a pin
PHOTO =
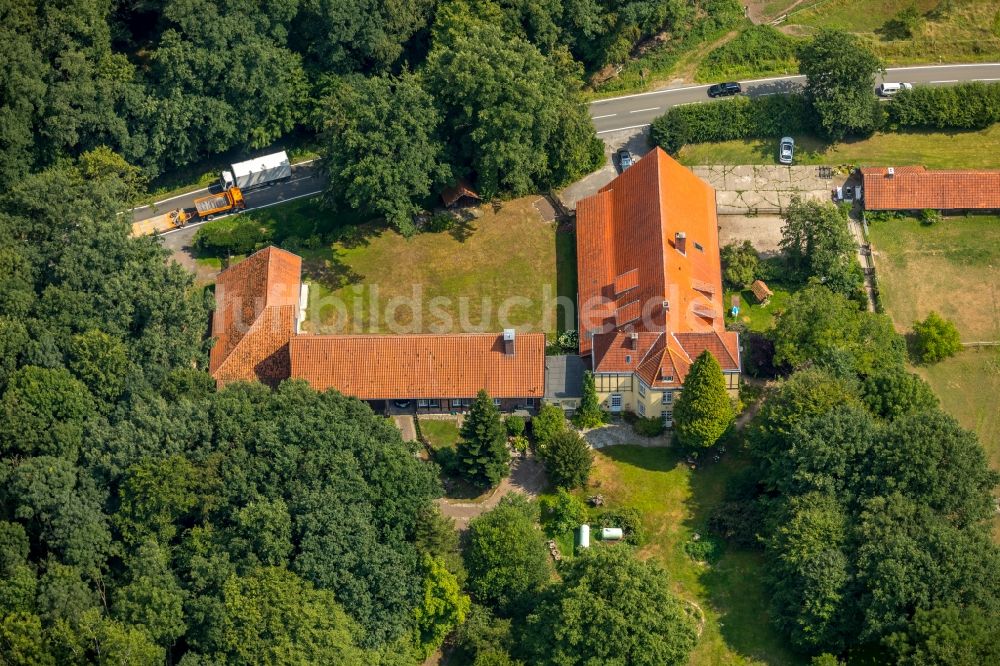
x=890, y=89
x=786, y=151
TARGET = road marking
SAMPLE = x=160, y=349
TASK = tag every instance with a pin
x=652, y=108
x=986, y=79
x=946, y=81
x=222, y=217
x=610, y=115
x=622, y=129
x=788, y=78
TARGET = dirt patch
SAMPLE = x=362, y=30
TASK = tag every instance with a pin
x=617, y=434
x=763, y=231
x=527, y=476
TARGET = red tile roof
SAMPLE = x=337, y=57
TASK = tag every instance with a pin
x=255, y=326
x=256, y=309
x=916, y=188
x=629, y=264
x=451, y=195
x=380, y=367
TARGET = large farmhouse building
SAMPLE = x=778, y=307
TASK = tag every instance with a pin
x=650, y=301
x=259, y=308
x=650, y=286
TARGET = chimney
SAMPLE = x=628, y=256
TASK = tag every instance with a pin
x=508, y=341
x=890, y=172
x=633, y=340
x=680, y=242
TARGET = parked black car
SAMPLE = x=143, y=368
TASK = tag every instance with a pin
x=725, y=89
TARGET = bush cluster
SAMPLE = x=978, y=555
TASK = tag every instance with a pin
x=738, y=118
x=757, y=49
x=974, y=105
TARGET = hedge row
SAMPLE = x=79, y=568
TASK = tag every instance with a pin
x=973, y=105
x=737, y=118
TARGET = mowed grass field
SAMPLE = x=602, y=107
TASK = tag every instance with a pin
x=954, y=269
x=935, y=150
x=675, y=502
x=505, y=268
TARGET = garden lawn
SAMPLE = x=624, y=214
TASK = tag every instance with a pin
x=675, y=502
x=954, y=268
x=440, y=433
x=503, y=269
x=759, y=317
x=935, y=150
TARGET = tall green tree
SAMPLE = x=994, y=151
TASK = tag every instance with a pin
x=740, y=264
x=482, y=451
x=444, y=606
x=152, y=597
x=514, y=115
x=506, y=555
x=610, y=608
x=817, y=244
x=547, y=424
x=381, y=147
x=589, y=414
x=44, y=412
x=840, y=74
x=568, y=459
x=703, y=411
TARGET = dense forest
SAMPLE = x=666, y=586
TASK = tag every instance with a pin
x=166, y=83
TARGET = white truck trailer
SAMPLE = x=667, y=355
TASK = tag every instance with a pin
x=257, y=172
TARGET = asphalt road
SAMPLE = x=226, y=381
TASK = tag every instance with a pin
x=306, y=180
x=610, y=115
x=635, y=111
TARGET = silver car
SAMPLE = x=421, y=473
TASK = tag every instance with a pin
x=787, y=150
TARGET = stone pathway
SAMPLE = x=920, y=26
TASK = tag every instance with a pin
x=617, y=434
x=406, y=427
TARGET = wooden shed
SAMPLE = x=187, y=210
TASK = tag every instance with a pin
x=761, y=292
x=460, y=195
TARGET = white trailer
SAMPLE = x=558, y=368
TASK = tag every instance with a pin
x=257, y=172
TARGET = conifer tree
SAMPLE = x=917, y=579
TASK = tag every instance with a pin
x=704, y=411
x=483, y=453
x=589, y=415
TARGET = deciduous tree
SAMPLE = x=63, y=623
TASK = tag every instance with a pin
x=935, y=339
x=739, y=264
x=840, y=74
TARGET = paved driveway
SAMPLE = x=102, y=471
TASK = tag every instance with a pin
x=768, y=189
x=527, y=476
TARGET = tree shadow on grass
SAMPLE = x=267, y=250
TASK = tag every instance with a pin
x=734, y=584
x=330, y=271
x=652, y=459
x=566, y=279
x=463, y=228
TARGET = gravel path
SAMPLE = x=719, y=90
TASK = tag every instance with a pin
x=527, y=476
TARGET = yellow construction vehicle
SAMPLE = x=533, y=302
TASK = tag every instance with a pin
x=205, y=208
x=224, y=202
x=174, y=219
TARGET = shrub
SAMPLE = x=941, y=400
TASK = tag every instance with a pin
x=514, y=425
x=630, y=522
x=757, y=49
x=562, y=512
x=737, y=118
x=935, y=339
x=651, y=427
x=740, y=263
x=974, y=105
x=239, y=235
x=519, y=443
x=929, y=217
x=549, y=422
x=440, y=222
x=704, y=549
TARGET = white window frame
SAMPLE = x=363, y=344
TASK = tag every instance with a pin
x=668, y=418
x=466, y=402
x=642, y=389
x=667, y=398
x=496, y=402
x=423, y=402
x=615, y=398
x=642, y=409
x=456, y=402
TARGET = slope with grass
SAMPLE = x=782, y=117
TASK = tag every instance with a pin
x=675, y=502
x=935, y=150
x=504, y=268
